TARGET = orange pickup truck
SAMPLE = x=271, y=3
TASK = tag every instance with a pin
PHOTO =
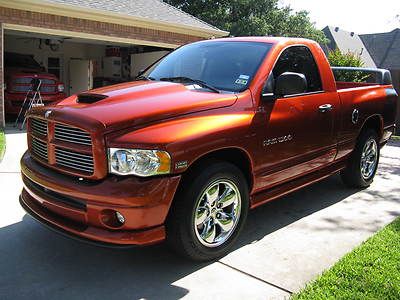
x=208, y=132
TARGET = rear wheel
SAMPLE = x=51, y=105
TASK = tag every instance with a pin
x=209, y=212
x=363, y=162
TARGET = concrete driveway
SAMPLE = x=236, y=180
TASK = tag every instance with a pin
x=285, y=244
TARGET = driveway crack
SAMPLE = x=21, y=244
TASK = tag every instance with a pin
x=257, y=278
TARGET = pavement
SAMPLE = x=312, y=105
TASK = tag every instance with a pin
x=285, y=244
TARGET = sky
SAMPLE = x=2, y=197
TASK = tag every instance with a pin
x=368, y=16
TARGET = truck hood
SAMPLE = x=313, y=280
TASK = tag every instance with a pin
x=135, y=103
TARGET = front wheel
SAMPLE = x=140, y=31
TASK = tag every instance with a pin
x=363, y=162
x=209, y=212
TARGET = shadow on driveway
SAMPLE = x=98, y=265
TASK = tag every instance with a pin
x=37, y=263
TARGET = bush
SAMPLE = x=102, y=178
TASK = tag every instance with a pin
x=338, y=59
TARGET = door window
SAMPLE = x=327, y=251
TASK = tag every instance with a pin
x=299, y=59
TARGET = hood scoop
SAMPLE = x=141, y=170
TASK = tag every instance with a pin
x=89, y=98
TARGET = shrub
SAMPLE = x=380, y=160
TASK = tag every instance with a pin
x=338, y=59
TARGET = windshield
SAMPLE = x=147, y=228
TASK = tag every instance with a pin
x=227, y=66
x=16, y=60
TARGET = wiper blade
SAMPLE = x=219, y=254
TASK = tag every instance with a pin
x=143, y=77
x=191, y=80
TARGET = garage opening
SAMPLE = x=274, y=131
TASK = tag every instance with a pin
x=67, y=65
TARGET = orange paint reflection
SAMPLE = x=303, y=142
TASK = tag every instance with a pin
x=190, y=127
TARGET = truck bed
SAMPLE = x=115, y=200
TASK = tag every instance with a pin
x=373, y=77
x=341, y=85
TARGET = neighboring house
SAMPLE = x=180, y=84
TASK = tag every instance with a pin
x=346, y=42
x=56, y=32
x=384, y=48
x=385, y=51
x=380, y=50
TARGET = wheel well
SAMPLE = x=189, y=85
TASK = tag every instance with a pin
x=374, y=123
x=235, y=156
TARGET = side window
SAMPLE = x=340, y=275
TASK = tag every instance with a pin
x=299, y=59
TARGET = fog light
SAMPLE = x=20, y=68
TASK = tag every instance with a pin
x=120, y=217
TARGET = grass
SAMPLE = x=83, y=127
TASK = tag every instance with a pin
x=2, y=144
x=371, y=271
x=395, y=138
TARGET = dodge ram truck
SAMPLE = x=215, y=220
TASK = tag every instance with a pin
x=211, y=130
x=19, y=71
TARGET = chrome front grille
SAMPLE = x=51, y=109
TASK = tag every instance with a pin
x=24, y=84
x=23, y=80
x=72, y=134
x=74, y=160
x=39, y=149
x=65, y=147
x=48, y=89
x=21, y=88
x=39, y=127
x=47, y=81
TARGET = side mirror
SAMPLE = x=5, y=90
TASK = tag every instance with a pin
x=290, y=83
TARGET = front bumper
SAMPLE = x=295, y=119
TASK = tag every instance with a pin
x=76, y=208
x=13, y=101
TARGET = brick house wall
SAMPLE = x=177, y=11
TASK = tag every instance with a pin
x=77, y=25
x=36, y=19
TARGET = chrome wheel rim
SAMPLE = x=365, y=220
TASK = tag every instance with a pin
x=369, y=158
x=217, y=213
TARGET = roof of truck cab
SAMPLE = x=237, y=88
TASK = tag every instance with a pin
x=263, y=39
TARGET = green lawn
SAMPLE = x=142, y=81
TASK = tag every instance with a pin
x=396, y=137
x=2, y=144
x=371, y=271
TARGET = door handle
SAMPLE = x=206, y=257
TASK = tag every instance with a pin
x=325, y=108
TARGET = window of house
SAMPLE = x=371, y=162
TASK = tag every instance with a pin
x=299, y=59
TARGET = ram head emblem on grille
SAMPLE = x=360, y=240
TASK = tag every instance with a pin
x=47, y=114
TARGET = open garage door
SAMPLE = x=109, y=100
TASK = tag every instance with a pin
x=67, y=65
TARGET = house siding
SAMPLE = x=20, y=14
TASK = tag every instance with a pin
x=396, y=85
x=385, y=50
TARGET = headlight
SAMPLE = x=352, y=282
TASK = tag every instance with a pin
x=60, y=87
x=138, y=162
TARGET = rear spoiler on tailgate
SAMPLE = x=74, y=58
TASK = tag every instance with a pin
x=379, y=76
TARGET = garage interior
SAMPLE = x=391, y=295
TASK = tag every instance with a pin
x=79, y=45
x=81, y=64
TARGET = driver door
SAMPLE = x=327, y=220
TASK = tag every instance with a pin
x=298, y=134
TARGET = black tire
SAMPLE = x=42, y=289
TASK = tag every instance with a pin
x=180, y=226
x=352, y=175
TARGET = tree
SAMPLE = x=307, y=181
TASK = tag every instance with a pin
x=252, y=17
x=338, y=59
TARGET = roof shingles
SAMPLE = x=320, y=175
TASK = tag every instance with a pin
x=150, y=9
x=384, y=48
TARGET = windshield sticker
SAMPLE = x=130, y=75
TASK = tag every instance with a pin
x=245, y=77
x=241, y=81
